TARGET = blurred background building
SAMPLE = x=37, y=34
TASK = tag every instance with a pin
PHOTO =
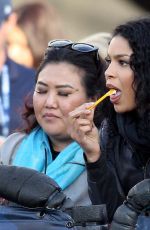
x=81, y=18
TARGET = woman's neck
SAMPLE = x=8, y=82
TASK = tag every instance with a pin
x=60, y=144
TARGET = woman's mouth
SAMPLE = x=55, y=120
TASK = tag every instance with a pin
x=50, y=116
x=114, y=98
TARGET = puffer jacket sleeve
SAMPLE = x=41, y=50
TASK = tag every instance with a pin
x=136, y=205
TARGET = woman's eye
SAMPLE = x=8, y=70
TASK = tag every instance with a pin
x=64, y=94
x=40, y=91
x=107, y=60
x=124, y=63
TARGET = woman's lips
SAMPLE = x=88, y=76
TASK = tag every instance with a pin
x=50, y=116
x=114, y=98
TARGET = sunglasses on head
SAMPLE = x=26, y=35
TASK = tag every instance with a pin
x=80, y=47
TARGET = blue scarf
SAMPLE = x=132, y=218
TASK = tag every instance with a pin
x=65, y=169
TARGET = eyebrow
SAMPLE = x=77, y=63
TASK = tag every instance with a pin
x=121, y=55
x=57, y=86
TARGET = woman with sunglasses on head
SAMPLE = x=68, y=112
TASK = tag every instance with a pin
x=123, y=158
x=69, y=75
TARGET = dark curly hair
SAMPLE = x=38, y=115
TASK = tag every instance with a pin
x=93, y=80
x=137, y=33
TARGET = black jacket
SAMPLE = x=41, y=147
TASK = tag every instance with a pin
x=116, y=172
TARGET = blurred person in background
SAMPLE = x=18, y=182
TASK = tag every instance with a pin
x=100, y=40
x=15, y=80
x=37, y=23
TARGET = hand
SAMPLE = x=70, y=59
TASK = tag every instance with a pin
x=82, y=129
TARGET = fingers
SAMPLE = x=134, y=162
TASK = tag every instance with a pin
x=82, y=111
x=82, y=125
x=82, y=116
x=81, y=128
x=80, y=122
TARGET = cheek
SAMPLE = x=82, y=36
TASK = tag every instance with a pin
x=36, y=104
x=127, y=81
x=68, y=107
x=130, y=97
x=129, y=91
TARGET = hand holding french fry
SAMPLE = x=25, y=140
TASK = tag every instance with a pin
x=82, y=129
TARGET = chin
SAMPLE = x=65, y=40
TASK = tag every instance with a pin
x=123, y=110
x=52, y=134
x=55, y=133
x=120, y=109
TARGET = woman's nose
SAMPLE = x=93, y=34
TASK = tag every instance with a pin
x=51, y=101
x=110, y=72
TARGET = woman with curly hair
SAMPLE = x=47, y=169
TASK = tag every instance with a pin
x=122, y=158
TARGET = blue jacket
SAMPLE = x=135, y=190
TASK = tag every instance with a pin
x=22, y=81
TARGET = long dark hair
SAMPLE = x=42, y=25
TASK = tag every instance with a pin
x=93, y=80
x=137, y=33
